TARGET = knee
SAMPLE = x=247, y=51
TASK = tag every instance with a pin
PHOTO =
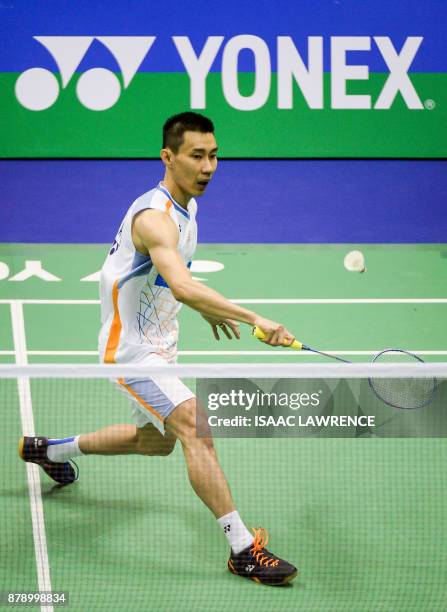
x=166, y=449
x=158, y=449
x=152, y=443
x=190, y=424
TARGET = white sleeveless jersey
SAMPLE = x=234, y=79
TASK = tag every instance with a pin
x=138, y=310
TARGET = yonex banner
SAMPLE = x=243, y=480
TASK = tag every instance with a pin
x=282, y=79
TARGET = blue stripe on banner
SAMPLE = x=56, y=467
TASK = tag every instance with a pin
x=60, y=441
x=304, y=201
x=326, y=18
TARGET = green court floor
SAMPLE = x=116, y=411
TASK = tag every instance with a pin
x=365, y=520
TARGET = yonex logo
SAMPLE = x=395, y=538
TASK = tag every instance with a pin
x=227, y=528
x=249, y=568
x=97, y=89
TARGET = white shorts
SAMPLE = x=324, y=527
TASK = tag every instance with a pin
x=153, y=399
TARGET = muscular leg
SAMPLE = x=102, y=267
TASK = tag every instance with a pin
x=126, y=440
x=204, y=471
x=205, y=474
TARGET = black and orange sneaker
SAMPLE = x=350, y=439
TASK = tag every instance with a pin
x=259, y=564
x=34, y=450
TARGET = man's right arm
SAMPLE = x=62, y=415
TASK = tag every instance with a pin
x=156, y=233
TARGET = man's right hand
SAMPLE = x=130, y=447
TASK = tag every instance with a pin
x=275, y=333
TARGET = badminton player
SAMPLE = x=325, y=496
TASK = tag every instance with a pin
x=145, y=280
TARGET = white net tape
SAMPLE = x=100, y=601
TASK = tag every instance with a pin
x=234, y=370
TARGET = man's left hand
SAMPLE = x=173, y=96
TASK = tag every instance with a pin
x=224, y=325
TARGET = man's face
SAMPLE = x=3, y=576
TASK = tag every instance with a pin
x=194, y=163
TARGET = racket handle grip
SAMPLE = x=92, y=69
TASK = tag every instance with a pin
x=259, y=334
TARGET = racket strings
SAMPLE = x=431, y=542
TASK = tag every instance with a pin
x=404, y=393
x=407, y=393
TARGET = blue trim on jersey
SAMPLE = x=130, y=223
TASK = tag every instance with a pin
x=139, y=259
x=141, y=265
x=160, y=281
x=60, y=441
x=177, y=207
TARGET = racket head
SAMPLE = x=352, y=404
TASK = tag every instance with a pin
x=403, y=393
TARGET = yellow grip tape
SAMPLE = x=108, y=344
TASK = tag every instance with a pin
x=260, y=335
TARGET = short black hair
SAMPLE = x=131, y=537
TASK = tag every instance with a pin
x=177, y=125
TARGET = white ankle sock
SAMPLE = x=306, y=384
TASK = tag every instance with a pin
x=237, y=533
x=61, y=450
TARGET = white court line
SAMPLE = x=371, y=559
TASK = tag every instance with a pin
x=269, y=353
x=92, y=302
x=32, y=470
x=277, y=353
x=344, y=301
x=92, y=353
x=269, y=301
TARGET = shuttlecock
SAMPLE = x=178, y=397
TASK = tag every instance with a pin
x=355, y=261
